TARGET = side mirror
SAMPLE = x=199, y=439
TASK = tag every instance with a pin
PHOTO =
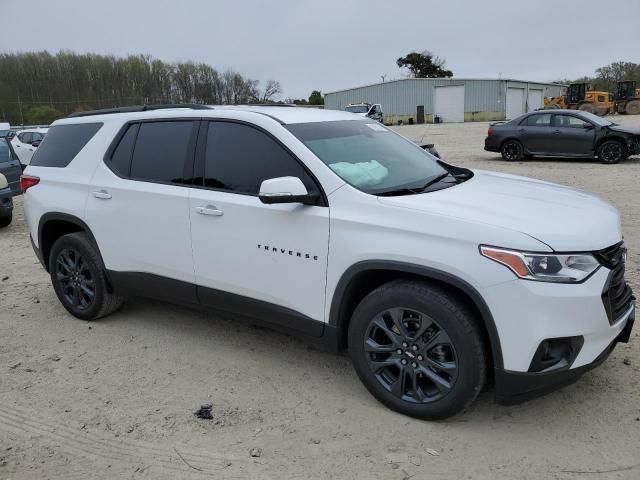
x=587, y=126
x=285, y=190
x=36, y=143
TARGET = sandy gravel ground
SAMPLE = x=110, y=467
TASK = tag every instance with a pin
x=115, y=398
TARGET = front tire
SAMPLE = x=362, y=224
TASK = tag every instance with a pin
x=512, y=151
x=612, y=151
x=418, y=349
x=78, y=278
x=6, y=220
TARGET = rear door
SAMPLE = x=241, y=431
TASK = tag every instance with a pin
x=138, y=206
x=267, y=261
x=22, y=145
x=10, y=166
x=535, y=133
x=572, y=136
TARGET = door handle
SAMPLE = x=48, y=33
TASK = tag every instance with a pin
x=556, y=132
x=211, y=210
x=102, y=194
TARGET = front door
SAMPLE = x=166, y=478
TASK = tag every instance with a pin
x=572, y=136
x=265, y=261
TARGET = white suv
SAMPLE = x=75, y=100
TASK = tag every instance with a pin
x=327, y=224
x=26, y=142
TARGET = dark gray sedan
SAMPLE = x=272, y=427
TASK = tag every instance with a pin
x=562, y=133
x=10, y=165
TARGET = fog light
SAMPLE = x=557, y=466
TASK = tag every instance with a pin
x=556, y=353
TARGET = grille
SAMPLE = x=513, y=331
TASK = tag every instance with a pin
x=617, y=295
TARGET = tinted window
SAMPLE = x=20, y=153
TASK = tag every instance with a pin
x=539, y=120
x=239, y=157
x=5, y=153
x=62, y=143
x=567, y=121
x=121, y=158
x=161, y=150
x=25, y=137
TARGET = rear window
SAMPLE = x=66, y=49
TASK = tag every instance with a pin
x=62, y=143
x=5, y=153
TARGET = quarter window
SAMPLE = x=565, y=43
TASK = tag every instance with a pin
x=239, y=158
x=160, y=151
x=62, y=143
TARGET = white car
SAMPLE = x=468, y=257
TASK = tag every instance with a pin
x=26, y=142
x=434, y=277
x=373, y=112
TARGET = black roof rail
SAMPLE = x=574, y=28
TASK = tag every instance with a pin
x=139, y=108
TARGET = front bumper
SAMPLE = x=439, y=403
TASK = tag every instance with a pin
x=516, y=387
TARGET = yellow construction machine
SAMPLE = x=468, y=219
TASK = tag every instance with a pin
x=627, y=98
x=580, y=97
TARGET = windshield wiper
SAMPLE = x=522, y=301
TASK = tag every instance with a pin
x=437, y=179
x=399, y=191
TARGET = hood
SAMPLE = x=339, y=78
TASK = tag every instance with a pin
x=620, y=128
x=566, y=219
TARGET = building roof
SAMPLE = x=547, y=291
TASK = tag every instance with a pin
x=451, y=79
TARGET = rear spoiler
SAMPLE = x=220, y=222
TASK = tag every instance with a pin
x=497, y=123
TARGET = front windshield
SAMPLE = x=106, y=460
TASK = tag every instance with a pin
x=357, y=109
x=596, y=119
x=368, y=156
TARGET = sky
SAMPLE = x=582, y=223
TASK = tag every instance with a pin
x=335, y=44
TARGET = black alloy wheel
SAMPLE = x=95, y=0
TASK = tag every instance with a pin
x=411, y=355
x=611, y=151
x=79, y=279
x=75, y=279
x=512, y=151
x=418, y=349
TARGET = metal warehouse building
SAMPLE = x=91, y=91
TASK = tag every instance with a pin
x=418, y=100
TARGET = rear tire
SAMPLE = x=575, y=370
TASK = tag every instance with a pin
x=633, y=107
x=78, y=278
x=612, y=151
x=512, y=151
x=417, y=349
x=6, y=220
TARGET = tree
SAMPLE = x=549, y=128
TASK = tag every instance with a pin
x=271, y=90
x=424, y=65
x=316, y=98
x=42, y=115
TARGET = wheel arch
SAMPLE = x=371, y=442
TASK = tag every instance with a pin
x=52, y=226
x=617, y=138
x=361, y=278
x=508, y=139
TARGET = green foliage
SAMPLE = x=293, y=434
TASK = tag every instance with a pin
x=606, y=78
x=316, y=98
x=70, y=81
x=43, y=115
x=424, y=65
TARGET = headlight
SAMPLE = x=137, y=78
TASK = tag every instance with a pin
x=544, y=267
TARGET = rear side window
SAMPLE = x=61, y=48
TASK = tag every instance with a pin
x=161, y=150
x=62, y=143
x=539, y=120
x=120, y=161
